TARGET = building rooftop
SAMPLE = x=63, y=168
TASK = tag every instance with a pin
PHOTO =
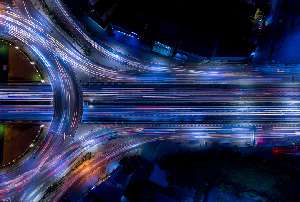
x=158, y=176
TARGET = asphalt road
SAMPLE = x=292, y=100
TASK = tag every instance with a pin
x=246, y=104
x=156, y=103
x=67, y=106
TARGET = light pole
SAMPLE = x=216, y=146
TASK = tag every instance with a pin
x=253, y=135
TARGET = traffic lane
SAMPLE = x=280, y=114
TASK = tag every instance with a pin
x=56, y=45
x=190, y=74
x=76, y=27
x=156, y=114
x=197, y=93
x=177, y=92
x=54, y=139
x=26, y=111
x=187, y=114
x=96, y=163
x=146, y=98
x=44, y=22
x=215, y=75
x=62, y=163
x=155, y=94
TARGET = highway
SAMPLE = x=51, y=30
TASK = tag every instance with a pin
x=191, y=103
x=213, y=110
x=157, y=102
x=113, y=66
x=176, y=103
x=66, y=114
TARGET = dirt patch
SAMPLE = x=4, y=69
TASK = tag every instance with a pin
x=17, y=140
x=19, y=67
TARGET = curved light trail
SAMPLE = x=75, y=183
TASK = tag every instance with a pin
x=58, y=153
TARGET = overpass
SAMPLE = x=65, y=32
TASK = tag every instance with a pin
x=135, y=103
x=245, y=95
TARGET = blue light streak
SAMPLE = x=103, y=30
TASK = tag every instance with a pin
x=41, y=56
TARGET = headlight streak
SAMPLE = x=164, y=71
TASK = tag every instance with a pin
x=105, y=157
x=106, y=53
x=30, y=33
x=56, y=47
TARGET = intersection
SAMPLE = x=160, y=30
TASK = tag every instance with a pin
x=225, y=101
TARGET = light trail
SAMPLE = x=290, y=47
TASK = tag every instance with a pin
x=56, y=156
